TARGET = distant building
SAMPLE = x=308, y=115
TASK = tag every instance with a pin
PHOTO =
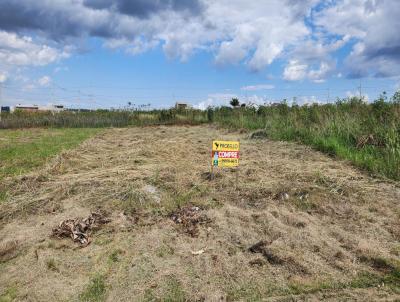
x=28, y=108
x=182, y=106
x=36, y=108
x=52, y=108
x=5, y=109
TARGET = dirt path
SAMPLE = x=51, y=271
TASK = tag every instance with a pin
x=328, y=231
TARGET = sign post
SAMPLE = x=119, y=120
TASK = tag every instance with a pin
x=225, y=154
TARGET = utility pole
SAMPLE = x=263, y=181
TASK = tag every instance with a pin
x=360, y=91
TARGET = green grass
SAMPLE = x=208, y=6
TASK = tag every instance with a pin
x=24, y=150
x=9, y=294
x=115, y=256
x=256, y=292
x=95, y=291
x=174, y=291
x=335, y=129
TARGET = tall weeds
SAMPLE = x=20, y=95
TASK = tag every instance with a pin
x=101, y=118
x=366, y=134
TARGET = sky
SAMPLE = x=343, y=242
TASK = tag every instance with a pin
x=153, y=53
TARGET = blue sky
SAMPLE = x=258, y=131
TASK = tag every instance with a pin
x=102, y=54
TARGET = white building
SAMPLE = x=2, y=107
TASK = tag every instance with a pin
x=35, y=108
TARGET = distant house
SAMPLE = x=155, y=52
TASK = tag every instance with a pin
x=28, y=108
x=36, y=108
x=52, y=108
x=182, y=106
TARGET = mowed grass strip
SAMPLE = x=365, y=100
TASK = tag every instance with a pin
x=24, y=150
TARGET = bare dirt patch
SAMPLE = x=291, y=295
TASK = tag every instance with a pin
x=327, y=230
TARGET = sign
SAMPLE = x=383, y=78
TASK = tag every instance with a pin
x=225, y=154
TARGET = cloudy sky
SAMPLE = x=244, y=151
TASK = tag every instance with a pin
x=104, y=53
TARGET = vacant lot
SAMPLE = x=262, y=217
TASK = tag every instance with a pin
x=297, y=224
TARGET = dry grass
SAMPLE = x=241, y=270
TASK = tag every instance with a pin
x=333, y=229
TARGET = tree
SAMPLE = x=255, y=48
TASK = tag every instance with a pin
x=235, y=102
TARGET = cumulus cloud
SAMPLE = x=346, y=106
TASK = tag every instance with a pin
x=205, y=104
x=18, y=50
x=223, y=99
x=308, y=100
x=373, y=26
x=295, y=71
x=215, y=100
x=253, y=33
x=256, y=32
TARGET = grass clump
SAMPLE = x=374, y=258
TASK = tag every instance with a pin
x=95, y=291
x=3, y=196
x=51, y=265
x=9, y=294
x=164, y=250
x=304, y=204
x=245, y=292
x=174, y=291
x=115, y=256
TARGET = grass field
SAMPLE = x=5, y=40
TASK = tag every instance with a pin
x=328, y=231
x=23, y=150
x=366, y=134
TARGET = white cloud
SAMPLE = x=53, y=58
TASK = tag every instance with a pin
x=23, y=51
x=44, y=81
x=373, y=25
x=3, y=77
x=295, y=71
x=258, y=87
x=255, y=100
x=318, y=75
x=253, y=33
x=256, y=32
x=205, y=104
x=216, y=99
x=223, y=99
x=308, y=100
x=351, y=94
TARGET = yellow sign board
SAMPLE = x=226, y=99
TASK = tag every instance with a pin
x=225, y=153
